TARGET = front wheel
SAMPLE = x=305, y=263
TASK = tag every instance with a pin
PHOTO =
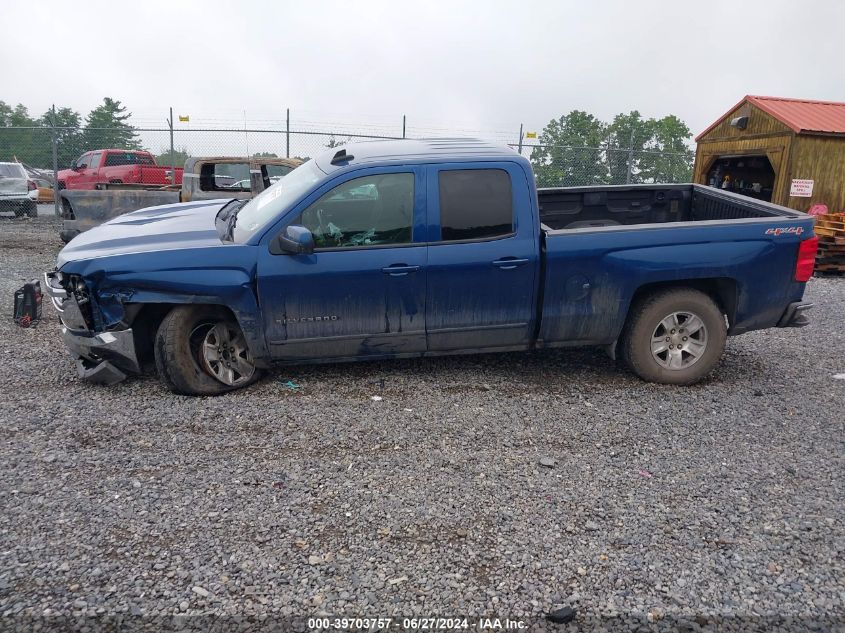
x=674, y=337
x=201, y=351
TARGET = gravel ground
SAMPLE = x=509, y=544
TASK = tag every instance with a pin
x=719, y=503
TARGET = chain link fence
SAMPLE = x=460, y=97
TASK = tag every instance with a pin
x=46, y=148
x=568, y=166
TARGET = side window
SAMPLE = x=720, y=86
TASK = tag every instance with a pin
x=95, y=160
x=225, y=177
x=84, y=160
x=366, y=211
x=274, y=173
x=475, y=204
x=113, y=159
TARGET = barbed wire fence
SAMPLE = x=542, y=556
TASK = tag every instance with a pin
x=45, y=149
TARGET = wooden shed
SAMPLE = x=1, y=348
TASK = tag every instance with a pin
x=787, y=151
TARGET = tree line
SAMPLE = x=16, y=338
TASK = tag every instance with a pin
x=576, y=149
x=580, y=149
x=31, y=142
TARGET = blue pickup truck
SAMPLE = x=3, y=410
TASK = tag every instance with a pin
x=417, y=248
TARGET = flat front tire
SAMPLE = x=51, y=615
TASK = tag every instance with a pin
x=201, y=351
x=674, y=337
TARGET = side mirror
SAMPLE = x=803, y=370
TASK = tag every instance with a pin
x=80, y=167
x=294, y=240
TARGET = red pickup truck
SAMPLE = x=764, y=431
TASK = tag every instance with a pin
x=117, y=166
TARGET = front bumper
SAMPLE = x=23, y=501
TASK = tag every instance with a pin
x=101, y=357
x=794, y=315
x=15, y=200
x=104, y=358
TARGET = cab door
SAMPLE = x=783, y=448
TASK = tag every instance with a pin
x=483, y=258
x=77, y=178
x=362, y=291
x=90, y=175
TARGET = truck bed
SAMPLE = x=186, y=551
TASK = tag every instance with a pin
x=603, y=244
x=594, y=207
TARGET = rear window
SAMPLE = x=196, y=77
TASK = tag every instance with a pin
x=12, y=171
x=475, y=204
x=229, y=177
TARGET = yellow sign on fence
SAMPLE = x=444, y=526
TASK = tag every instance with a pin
x=184, y=118
x=531, y=135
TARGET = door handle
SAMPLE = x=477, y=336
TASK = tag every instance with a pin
x=509, y=263
x=399, y=270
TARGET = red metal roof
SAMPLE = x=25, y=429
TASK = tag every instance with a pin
x=800, y=115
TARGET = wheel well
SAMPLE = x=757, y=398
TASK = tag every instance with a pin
x=145, y=318
x=722, y=290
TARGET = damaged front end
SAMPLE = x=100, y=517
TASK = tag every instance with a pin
x=104, y=348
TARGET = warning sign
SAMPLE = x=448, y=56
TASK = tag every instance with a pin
x=801, y=188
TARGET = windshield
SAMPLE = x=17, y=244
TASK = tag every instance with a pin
x=265, y=207
x=11, y=170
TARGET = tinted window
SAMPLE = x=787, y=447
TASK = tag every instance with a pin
x=475, y=203
x=127, y=158
x=365, y=211
x=117, y=158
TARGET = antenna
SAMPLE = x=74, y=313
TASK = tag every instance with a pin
x=341, y=157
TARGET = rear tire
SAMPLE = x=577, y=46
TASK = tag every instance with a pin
x=31, y=209
x=182, y=357
x=674, y=337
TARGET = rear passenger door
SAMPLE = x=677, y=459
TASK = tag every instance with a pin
x=482, y=257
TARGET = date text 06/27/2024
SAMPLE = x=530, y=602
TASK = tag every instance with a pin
x=416, y=624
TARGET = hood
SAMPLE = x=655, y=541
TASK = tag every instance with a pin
x=168, y=227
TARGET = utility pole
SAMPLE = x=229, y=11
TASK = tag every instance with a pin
x=630, y=157
x=56, y=202
x=403, y=126
x=520, y=139
x=287, y=134
x=172, y=150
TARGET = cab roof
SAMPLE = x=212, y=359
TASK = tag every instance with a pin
x=413, y=150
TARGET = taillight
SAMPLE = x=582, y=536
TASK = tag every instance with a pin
x=806, y=259
x=31, y=186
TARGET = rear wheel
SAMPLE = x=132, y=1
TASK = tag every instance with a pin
x=201, y=351
x=31, y=209
x=674, y=337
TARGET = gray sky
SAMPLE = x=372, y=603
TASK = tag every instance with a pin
x=455, y=66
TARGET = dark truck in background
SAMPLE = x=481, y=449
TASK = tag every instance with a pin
x=203, y=178
x=419, y=248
